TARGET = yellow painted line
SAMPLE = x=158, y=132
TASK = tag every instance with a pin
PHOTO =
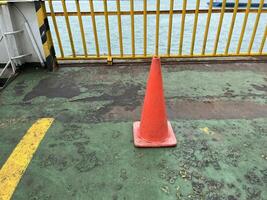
x=16, y=164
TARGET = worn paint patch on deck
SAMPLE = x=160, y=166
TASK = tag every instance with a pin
x=90, y=153
x=99, y=161
x=15, y=166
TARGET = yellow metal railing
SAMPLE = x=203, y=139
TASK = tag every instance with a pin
x=194, y=33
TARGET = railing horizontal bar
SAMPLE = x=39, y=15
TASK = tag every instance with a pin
x=129, y=56
x=154, y=12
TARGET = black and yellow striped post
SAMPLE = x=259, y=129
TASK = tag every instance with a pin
x=48, y=46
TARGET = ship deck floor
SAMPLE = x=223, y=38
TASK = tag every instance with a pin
x=218, y=112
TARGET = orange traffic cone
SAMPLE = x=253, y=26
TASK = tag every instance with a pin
x=154, y=130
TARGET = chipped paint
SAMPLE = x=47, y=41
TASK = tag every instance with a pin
x=207, y=131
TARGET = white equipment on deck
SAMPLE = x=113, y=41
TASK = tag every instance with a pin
x=8, y=35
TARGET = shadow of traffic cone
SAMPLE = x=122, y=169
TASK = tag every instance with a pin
x=154, y=130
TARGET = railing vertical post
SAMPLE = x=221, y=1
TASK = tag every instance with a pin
x=56, y=28
x=94, y=27
x=107, y=27
x=231, y=28
x=243, y=27
x=219, y=28
x=81, y=27
x=182, y=28
x=207, y=28
x=255, y=26
x=157, y=28
x=119, y=26
x=68, y=27
x=132, y=26
x=145, y=26
x=263, y=40
x=170, y=28
x=194, y=27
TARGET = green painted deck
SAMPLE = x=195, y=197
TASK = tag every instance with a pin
x=218, y=112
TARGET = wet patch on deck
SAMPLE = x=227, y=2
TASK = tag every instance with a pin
x=52, y=88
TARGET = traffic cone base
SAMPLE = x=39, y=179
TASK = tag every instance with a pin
x=140, y=142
